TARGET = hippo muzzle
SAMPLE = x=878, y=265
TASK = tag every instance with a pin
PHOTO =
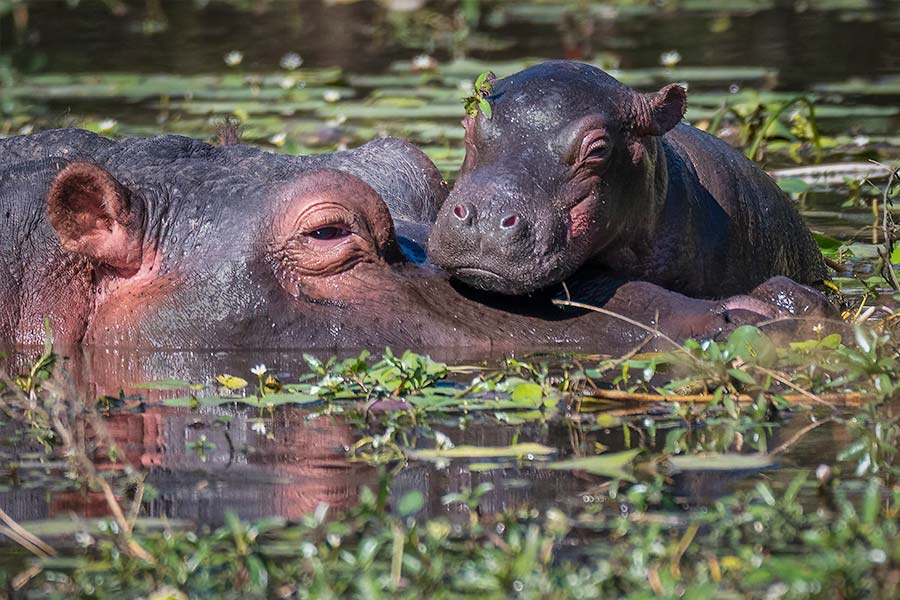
x=490, y=235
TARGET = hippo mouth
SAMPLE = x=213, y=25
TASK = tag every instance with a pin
x=479, y=277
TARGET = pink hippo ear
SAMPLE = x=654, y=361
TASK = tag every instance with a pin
x=658, y=112
x=91, y=214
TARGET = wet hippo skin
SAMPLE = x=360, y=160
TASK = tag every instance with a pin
x=170, y=243
x=574, y=169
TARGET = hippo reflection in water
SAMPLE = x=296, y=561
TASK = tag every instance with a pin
x=169, y=242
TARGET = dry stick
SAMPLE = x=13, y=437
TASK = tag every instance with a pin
x=135, y=509
x=683, y=545
x=653, y=330
x=24, y=542
x=887, y=226
x=796, y=437
x=12, y=524
x=627, y=356
x=22, y=579
x=836, y=172
x=793, y=386
x=847, y=399
x=87, y=469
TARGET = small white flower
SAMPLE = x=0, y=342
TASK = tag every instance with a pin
x=331, y=381
x=877, y=555
x=331, y=96
x=259, y=370
x=861, y=140
x=84, y=539
x=106, y=125
x=442, y=441
x=423, y=62
x=234, y=58
x=670, y=59
x=26, y=129
x=278, y=139
x=259, y=427
x=291, y=61
x=315, y=390
x=287, y=83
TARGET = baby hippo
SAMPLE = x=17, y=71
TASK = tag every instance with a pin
x=573, y=168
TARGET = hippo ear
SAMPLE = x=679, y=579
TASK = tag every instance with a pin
x=662, y=110
x=92, y=216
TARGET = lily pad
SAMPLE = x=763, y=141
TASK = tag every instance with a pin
x=464, y=452
x=608, y=465
x=720, y=462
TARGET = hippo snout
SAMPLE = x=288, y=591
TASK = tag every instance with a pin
x=488, y=245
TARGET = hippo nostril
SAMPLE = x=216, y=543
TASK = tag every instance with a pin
x=509, y=221
x=461, y=212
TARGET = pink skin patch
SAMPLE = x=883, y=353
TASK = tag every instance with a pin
x=751, y=304
x=580, y=217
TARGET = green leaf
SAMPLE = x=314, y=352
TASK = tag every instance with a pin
x=485, y=107
x=607, y=465
x=720, y=462
x=259, y=576
x=742, y=376
x=513, y=451
x=792, y=185
x=285, y=398
x=531, y=393
x=752, y=345
x=411, y=502
x=828, y=246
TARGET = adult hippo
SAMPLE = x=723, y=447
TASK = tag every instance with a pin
x=171, y=243
x=573, y=168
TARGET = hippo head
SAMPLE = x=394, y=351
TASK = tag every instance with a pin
x=556, y=175
x=221, y=261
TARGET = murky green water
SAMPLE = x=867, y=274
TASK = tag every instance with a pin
x=161, y=67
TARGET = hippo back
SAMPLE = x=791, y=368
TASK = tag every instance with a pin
x=777, y=240
x=401, y=173
x=71, y=144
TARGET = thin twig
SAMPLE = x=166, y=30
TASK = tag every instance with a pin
x=844, y=399
x=603, y=311
x=89, y=473
x=784, y=381
x=22, y=541
x=887, y=227
x=13, y=525
x=796, y=437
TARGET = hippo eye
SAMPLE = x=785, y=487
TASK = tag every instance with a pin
x=331, y=232
x=594, y=149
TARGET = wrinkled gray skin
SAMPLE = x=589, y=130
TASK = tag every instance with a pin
x=167, y=243
x=574, y=168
